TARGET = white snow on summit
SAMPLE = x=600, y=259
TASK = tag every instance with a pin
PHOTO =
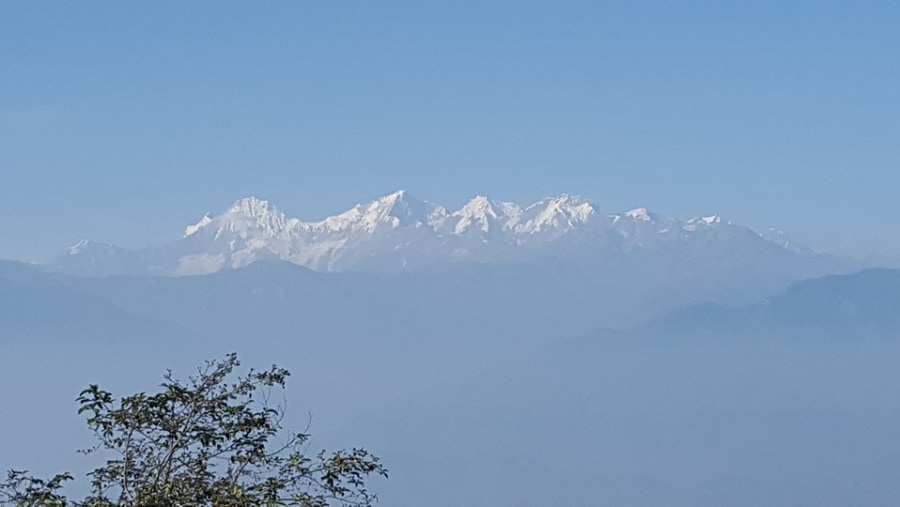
x=561, y=213
x=706, y=221
x=485, y=215
x=80, y=247
x=638, y=214
x=192, y=229
x=399, y=231
x=394, y=210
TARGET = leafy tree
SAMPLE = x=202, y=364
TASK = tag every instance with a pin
x=204, y=442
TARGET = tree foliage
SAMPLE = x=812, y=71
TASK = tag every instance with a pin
x=210, y=441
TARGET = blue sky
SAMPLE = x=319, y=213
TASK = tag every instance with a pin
x=125, y=121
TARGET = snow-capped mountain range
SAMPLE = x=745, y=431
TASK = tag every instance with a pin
x=400, y=232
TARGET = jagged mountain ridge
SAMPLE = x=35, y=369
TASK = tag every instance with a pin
x=400, y=209
x=399, y=232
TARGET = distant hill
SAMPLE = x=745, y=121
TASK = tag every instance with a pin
x=862, y=304
x=36, y=306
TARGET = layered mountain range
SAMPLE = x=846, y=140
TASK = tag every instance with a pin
x=548, y=335
x=399, y=232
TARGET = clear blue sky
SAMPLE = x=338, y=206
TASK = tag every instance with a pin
x=125, y=121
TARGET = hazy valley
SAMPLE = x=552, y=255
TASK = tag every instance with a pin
x=597, y=358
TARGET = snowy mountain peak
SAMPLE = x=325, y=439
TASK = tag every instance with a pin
x=395, y=196
x=402, y=206
x=483, y=206
x=247, y=217
x=572, y=205
x=485, y=215
x=639, y=214
x=399, y=231
x=88, y=245
x=78, y=247
x=705, y=221
x=562, y=213
x=192, y=229
x=397, y=209
x=477, y=204
x=251, y=207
